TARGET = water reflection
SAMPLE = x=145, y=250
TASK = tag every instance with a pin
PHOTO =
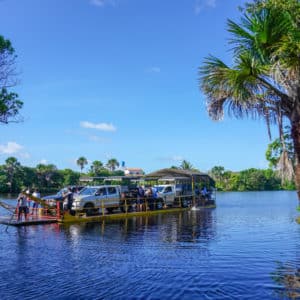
x=187, y=227
x=287, y=277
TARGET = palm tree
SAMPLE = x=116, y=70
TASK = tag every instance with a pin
x=112, y=164
x=11, y=167
x=81, y=162
x=96, y=167
x=185, y=165
x=264, y=81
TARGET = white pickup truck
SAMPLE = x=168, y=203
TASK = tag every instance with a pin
x=171, y=195
x=92, y=199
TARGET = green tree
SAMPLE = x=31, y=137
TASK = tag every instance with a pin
x=265, y=79
x=81, y=162
x=11, y=168
x=217, y=172
x=70, y=177
x=10, y=105
x=112, y=164
x=96, y=168
x=186, y=165
x=28, y=178
x=48, y=176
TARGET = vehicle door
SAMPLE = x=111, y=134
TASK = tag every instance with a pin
x=101, y=196
x=113, y=196
x=169, y=195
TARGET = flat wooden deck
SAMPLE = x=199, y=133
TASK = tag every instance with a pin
x=31, y=220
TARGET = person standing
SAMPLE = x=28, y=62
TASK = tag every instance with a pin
x=22, y=204
x=35, y=205
x=140, y=198
x=69, y=199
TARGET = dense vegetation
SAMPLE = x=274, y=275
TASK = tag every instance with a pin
x=49, y=179
x=249, y=180
x=45, y=177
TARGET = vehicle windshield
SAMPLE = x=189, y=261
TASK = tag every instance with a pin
x=88, y=191
x=62, y=192
x=159, y=188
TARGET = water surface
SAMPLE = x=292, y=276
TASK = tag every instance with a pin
x=246, y=248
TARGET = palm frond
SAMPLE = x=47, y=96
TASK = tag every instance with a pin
x=235, y=89
x=260, y=33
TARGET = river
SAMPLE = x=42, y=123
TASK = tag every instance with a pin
x=246, y=248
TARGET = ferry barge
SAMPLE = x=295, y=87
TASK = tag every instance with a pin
x=177, y=190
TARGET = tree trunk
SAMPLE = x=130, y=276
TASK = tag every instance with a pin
x=295, y=131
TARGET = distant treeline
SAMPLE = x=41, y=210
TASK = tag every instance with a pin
x=249, y=180
x=47, y=178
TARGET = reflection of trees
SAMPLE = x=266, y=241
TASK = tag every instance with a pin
x=288, y=276
x=191, y=226
x=188, y=226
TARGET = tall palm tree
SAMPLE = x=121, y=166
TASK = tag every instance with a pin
x=264, y=81
x=112, y=164
x=81, y=162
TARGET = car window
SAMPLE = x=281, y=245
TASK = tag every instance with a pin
x=112, y=190
x=159, y=188
x=88, y=191
x=168, y=189
x=102, y=192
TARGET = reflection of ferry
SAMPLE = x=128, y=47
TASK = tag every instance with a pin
x=167, y=190
x=183, y=226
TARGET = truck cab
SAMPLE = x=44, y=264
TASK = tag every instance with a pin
x=92, y=199
x=167, y=192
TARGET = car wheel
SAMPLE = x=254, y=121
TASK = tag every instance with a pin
x=122, y=206
x=89, y=209
x=110, y=210
x=184, y=203
x=159, y=204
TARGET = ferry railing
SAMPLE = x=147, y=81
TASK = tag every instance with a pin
x=38, y=213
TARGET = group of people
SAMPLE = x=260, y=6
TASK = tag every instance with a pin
x=24, y=203
x=142, y=194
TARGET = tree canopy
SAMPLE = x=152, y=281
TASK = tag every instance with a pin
x=264, y=81
x=10, y=104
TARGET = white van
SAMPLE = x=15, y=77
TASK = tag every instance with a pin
x=92, y=199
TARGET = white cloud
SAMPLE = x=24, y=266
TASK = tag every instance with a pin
x=201, y=4
x=13, y=148
x=10, y=148
x=102, y=3
x=43, y=161
x=153, y=70
x=98, y=126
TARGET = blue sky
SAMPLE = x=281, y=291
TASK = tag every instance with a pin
x=118, y=79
